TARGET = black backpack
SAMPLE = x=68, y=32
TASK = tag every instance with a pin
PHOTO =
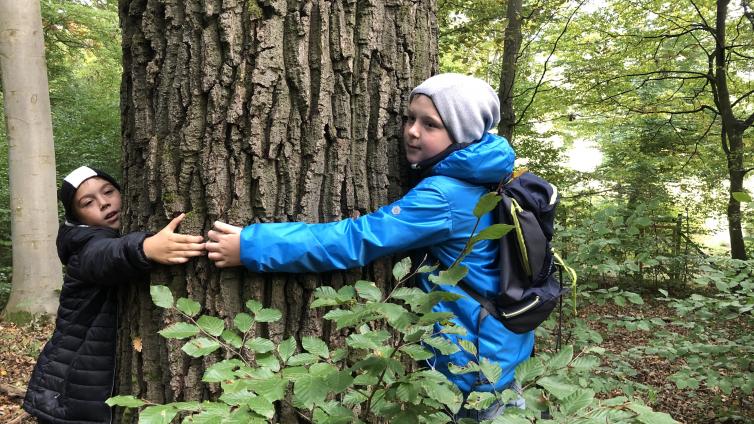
x=528, y=289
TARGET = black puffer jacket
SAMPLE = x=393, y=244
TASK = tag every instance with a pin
x=75, y=371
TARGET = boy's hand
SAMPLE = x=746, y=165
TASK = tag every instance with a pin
x=168, y=247
x=224, y=245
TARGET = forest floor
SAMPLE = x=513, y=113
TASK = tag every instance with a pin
x=19, y=347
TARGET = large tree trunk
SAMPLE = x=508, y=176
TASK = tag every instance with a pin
x=257, y=112
x=31, y=155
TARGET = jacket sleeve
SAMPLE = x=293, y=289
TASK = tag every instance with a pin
x=419, y=219
x=111, y=260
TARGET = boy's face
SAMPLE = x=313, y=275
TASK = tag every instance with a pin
x=424, y=134
x=97, y=203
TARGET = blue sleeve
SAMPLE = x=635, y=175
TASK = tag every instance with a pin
x=419, y=219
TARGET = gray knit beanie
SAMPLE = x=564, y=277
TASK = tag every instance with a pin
x=468, y=106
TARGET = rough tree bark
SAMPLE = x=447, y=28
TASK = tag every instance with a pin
x=511, y=46
x=31, y=155
x=265, y=111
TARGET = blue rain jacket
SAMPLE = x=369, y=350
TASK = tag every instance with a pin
x=436, y=215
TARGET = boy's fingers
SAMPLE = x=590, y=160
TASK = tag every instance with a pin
x=172, y=225
x=213, y=235
x=212, y=247
x=226, y=228
x=183, y=238
x=178, y=260
x=192, y=253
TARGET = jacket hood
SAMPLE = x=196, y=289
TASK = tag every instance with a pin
x=71, y=238
x=486, y=162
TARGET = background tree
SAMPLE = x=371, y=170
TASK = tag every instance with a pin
x=257, y=112
x=83, y=52
x=31, y=158
x=688, y=66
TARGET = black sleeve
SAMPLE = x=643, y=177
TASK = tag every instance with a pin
x=111, y=261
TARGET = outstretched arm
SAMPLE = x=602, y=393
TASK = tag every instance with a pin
x=224, y=246
x=169, y=248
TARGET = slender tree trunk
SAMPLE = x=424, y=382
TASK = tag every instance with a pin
x=732, y=134
x=34, y=224
x=250, y=111
x=508, y=73
x=736, y=175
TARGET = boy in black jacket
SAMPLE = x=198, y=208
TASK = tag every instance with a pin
x=74, y=374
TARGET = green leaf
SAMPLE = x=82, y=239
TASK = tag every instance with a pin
x=200, y=346
x=585, y=363
x=491, y=370
x=402, y=268
x=179, y=330
x=450, y=277
x=406, y=293
x=443, y=394
x=287, y=348
x=124, y=401
x=236, y=398
x=436, y=317
x=426, y=269
x=212, y=325
x=493, y=232
x=529, y=370
x=268, y=315
x=339, y=381
x=561, y=359
x=269, y=361
x=346, y=293
x=576, y=401
x=367, y=290
x=309, y=390
x=741, y=196
x=325, y=296
x=470, y=366
x=189, y=307
x=262, y=406
x=253, y=305
x=158, y=414
x=338, y=354
x=468, y=346
x=445, y=346
x=647, y=416
x=486, y=204
x=221, y=371
x=479, y=400
x=260, y=345
x=192, y=406
x=272, y=389
x=315, y=346
x=161, y=296
x=432, y=298
x=416, y=352
x=395, y=314
x=302, y=359
x=232, y=338
x=511, y=419
x=243, y=322
x=370, y=340
x=558, y=386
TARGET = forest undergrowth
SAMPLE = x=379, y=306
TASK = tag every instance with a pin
x=619, y=329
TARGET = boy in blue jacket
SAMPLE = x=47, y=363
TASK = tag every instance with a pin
x=446, y=136
x=75, y=371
